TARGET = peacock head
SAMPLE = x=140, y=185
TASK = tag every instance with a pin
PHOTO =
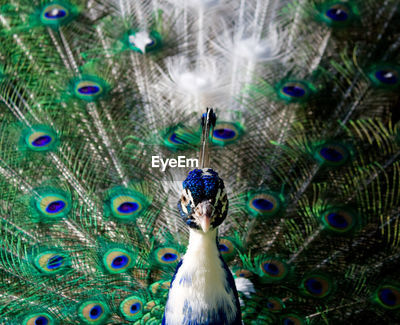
x=204, y=203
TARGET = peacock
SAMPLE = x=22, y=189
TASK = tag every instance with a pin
x=122, y=202
x=202, y=290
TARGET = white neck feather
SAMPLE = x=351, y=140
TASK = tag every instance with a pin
x=203, y=245
x=200, y=282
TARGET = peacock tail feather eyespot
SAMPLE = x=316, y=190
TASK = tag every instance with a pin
x=306, y=146
x=291, y=319
x=40, y=318
x=264, y=204
x=316, y=285
x=337, y=13
x=124, y=204
x=274, y=305
x=167, y=255
x=54, y=13
x=273, y=269
x=339, y=220
x=178, y=137
x=51, y=262
x=384, y=76
x=387, y=76
x=388, y=296
x=57, y=13
x=243, y=273
x=89, y=88
x=175, y=139
x=117, y=260
x=142, y=41
x=93, y=312
x=226, y=248
x=132, y=308
x=50, y=204
x=39, y=138
x=295, y=91
x=53, y=205
x=332, y=154
x=225, y=133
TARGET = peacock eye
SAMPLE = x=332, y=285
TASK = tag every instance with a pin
x=178, y=137
x=89, y=87
x=317, y=286
x=38, y=319
x=57, y=13
x=263, y=204
x=226, y=248
x=39, y=138
x=50, y=204
x=51, y=262
x=385, y=76
x=337, y=14
x=274, y=305
x=226, y=133
x=295, y=91
x=174, y=138
x=184, y=199
x=339, y=220
x=132, y=308
x=244, y=273
x=93, y=312
x=332, y=154
x=388, y=296
x=118, y=260
x=273, y=269
x=167, y=255
x=124, y=204
x=292, y=319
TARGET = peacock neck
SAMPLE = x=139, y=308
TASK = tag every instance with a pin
x=202, y=290
x=202, y=257
x=203, y=245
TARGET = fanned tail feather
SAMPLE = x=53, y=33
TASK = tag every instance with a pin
x=307, y=141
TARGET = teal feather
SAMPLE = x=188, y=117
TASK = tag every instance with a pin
x=93, y=311
x=307, y=141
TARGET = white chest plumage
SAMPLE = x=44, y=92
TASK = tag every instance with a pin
x=200, y=287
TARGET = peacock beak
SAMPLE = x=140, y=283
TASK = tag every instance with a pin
x=204, y=212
